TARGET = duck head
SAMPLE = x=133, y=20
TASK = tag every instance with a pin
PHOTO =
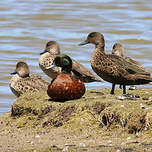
x=118, y=49
x=94, y=38
x=22, y=69
x=63, y=61
x=52, y=47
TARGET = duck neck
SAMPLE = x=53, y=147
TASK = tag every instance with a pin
x=100, y=47
x=25, y=76
x=66, y=70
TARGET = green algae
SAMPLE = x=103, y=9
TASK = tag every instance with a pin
x=96, y=113
x=95, y=110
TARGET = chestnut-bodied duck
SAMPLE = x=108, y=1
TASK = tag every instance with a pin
x=113, y=68
x=46, y=60
x=22, y=81
x=65, y=87
x=118, y=49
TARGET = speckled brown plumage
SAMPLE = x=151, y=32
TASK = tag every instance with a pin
x=22, y=81
x=65, y=87
x=113, y=68
x=78, y=70
x=118, y=50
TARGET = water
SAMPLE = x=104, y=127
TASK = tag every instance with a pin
x=26, y=26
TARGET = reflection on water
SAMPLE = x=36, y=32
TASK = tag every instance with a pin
x=26, y=26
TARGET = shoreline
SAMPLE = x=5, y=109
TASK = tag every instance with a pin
x=96, y=122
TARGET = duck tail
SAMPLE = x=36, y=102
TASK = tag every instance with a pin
x=145, y=79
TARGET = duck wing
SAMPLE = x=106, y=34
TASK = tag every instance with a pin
x=127, y=66
x=82, y=72
x=137, y=63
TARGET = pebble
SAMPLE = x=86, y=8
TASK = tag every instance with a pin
x=121, y=98
x=122, y=106
x=145, y=128
x=149, y=103
x=82, y=145
x=37, y=136
x=129, y=138
x=65, y=148
x=126, y=96
x=132, y=88
x=142, y=106
x=137, y=96
x=109, y=141
x=43, y=131
x=145, y=98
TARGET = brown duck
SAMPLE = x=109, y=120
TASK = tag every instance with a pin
x=118, y=49
x=22, y=81
x=78, y=70
x=113, y=68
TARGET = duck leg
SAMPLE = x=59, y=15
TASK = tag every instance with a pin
x=124, y=89
x=113, y=88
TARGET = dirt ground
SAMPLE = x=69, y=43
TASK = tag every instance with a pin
x=60, y=139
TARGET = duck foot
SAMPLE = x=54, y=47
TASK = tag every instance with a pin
x=112, y=93
x=127, y=97
x=132, y=87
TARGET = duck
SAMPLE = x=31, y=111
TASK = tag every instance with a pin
x=113, y=68
x=78, y=70
x=118, y=50
x=65, y=86
x=22, y=81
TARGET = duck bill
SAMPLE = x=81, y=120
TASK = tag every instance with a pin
x=13, y=73
x=50, y=67
x=43, y=52
x=83, y=43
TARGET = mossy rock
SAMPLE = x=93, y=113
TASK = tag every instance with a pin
x=97, y=109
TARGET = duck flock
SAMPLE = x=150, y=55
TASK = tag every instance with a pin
x=68, y=76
